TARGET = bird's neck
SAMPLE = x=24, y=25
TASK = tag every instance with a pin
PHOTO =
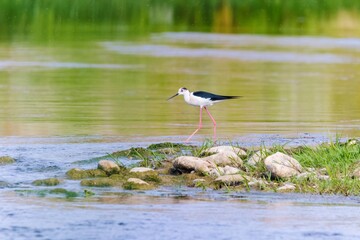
x=187, y=96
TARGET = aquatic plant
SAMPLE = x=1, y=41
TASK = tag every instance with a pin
x=99, y=182
x=200, y=151
x=66, y=193
x=6, y=160
x=77, y=173
x=46, y=182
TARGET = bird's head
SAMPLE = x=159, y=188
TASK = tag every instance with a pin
x=181, y=91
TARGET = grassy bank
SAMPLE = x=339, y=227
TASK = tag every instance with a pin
x=249, y=16
x=330, y=168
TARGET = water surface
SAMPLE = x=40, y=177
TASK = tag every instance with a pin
x=81, y=79
x=179, y=212
x=119, y=88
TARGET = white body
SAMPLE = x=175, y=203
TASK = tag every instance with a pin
x=202, y=100
x=196, y=101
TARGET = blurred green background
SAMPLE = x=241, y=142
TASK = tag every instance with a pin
x=51, y=19
x=87, y=67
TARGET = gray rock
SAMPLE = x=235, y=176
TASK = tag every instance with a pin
x=198, y=181
x=232, y=179
x=188, y=164
x=224, y=158
x=356, y=173
x=287, y=187
x=216, y=172
x=230, y=170
x=323, y=177
x=109, y=167
x=258, y=183
x=137, y=181
x=322, y=171
x=352, y=142
x=258, y=157
x=220, y=149
x=313, y=170
x=283, y=166
x=306, y=175
x=309, y=175
x=141, y=170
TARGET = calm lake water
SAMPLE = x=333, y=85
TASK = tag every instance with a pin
x=81, y=79
x=119, y=87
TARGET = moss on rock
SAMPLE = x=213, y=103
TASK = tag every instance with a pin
x=137, y=152
x=88, y=193
x=77, y=173
x=46, y=182
x=99, y=182
x=150, y=176
x=157, y=146
x=131, y=185
x=6, y=160
x=62, y=191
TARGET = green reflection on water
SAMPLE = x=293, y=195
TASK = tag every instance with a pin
x=57, y=77
x=43, y=19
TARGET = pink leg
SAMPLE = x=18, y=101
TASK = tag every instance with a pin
x=214, y=122
x=200, y=125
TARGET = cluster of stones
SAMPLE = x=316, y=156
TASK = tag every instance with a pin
x=110, y=174
x=226, y=166
x=219, y=166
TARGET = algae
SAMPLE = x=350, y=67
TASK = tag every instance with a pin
x=135, y=152
x=77, y=173
x=6, y=160
x=157, y=146
x=99, y=182
x=88, y=193
x=151, y=176
x=62, y=191
x=45, y=192
x=46, y=182
x=135, y=186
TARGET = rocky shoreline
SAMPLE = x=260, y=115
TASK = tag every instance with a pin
x=330, y=168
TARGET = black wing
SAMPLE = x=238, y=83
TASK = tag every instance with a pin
x=213, y=97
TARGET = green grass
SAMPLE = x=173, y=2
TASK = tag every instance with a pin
x=336, y=160
x=328, y=168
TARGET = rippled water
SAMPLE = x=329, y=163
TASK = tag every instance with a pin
x=176, y=213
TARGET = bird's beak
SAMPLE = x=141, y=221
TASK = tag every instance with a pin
x=172, y=96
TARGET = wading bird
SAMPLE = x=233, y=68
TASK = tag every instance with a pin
x=201, y=99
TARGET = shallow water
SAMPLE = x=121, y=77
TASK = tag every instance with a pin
x=78, y=81
x=177, y=213
x=119, y=87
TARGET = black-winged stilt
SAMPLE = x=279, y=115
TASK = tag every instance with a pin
x=201, y=99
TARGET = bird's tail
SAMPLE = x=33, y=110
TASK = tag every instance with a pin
x=219, y=98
